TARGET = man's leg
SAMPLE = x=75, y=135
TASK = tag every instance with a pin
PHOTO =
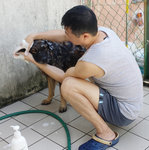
x=84, y=98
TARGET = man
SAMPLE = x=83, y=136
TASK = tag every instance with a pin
x=115, y=95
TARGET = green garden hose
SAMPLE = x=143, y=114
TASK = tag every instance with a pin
x=44, y=112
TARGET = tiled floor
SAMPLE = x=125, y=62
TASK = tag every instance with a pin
x=43, y=132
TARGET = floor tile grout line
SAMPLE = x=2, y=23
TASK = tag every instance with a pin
x=71, y=127
x=52, y=112
x=73, y=119
x=38, y=132
x=147, y=148
x=20, y=129
x=35, y=107
x=14, y=117
x=39, y=104
x=19, y=122
x=37, y=121
x=6, y=141
x=43, y=137
x=36, y=141
x=46, y=116
x=43, y=94
x=25, y=124
x=145, y=103
x=91, y=131
x=54, y=131
x=31, y=105
x=12, y=133
x=51, y=132
x=133, y=126
x=114, y=148
x=78, y=129
x=84, y=134
x=78, y=139
x=138, y=136
x=47, y=136
x=4, y=120
x=1, y=139
x=55, y=142
x=47, y=110
x=124, y=133
x=146, y=88
x=57, y=95
x=145, y=95
x=145, y=118
x=48, y=94
x=135, y=133
x=27, y=104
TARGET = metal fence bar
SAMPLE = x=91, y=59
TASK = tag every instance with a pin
x=146, y=42
x=127, y=11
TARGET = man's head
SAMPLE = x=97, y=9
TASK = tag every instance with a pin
x=80, y=20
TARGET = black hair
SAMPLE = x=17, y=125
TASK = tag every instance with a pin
x=80, y=19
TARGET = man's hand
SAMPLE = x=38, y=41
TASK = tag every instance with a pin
x=29, y=40
x=28, y=57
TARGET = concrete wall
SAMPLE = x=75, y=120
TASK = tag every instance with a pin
x=18, y=18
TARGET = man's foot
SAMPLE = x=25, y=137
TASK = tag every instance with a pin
x=97, y=143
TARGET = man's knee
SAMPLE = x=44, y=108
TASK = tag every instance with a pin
x=67, y=86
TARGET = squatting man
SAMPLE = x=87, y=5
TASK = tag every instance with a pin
x=115, y=95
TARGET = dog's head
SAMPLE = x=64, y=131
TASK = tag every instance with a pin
x=41, y=51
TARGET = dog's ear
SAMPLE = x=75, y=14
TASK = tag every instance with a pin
x=33, y=50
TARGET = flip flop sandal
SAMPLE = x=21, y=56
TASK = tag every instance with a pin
x=97, y=143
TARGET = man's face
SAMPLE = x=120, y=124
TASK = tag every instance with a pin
x=73, y=38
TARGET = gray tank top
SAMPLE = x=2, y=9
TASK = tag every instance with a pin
x=122, y=78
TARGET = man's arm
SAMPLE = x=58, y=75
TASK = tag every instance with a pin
x=51, y=71
x=84, y=70
x=52, y=35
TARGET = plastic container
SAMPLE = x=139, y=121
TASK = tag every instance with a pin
x=18, y=141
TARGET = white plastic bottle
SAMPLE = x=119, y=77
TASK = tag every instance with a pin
x=18, y=141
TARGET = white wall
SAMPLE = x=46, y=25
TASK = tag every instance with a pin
x=18, y=18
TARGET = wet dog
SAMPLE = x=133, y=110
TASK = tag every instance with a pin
x=62, y=55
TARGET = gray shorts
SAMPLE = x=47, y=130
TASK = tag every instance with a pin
x=109, y=110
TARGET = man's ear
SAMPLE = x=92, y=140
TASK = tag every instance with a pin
x=86, y=36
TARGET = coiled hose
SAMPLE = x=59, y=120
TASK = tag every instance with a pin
x=44, y=112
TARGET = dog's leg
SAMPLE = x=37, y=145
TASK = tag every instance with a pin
x=51, y=87
x=63, y=105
